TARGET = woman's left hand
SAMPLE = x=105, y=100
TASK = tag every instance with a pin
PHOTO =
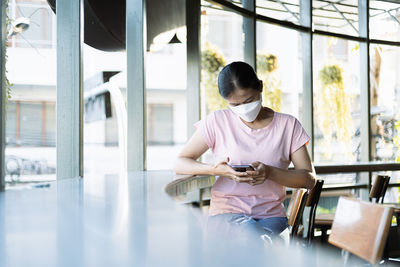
x=260, y=174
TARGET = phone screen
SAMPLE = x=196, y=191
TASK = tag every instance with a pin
x=242, y=168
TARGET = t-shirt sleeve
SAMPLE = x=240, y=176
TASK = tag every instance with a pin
x=207, y=130
x=299, y=137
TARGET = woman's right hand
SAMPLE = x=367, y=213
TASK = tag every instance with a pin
x=223, y=169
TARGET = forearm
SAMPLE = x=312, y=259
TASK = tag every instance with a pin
x=190, y=166
x=293, y=178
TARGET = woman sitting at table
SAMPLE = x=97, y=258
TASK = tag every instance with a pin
x=248, y=133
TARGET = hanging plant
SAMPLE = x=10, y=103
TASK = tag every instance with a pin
x=7, y=83
x=267, y=65
x=333, y=109
x=212, y=61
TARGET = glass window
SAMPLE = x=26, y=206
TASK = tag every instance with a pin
x=336, y=16
x=11, y=123
x=279, y=65
x=384, y=20
x=336, y=65
x=385, y=99
x=166, y=106
x=102, y=154
x=50, y=126
x=160, y=124
x=31, y=124
x=288, y=10
x=166, y=102
x=41, y=24
x=222, y=43
x=30, y=114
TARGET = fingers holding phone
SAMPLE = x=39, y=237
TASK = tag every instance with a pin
x=248, y=169
x=224, y=169
x=260, y=174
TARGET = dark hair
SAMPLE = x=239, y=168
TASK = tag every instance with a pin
x=237, y=75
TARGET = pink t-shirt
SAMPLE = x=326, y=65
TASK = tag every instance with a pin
x=227, y=136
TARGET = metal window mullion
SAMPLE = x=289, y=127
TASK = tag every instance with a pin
x=136, y=86
x=384, y=42
x=69, y=89
x=231, y=7
x=249, y=30
x=193, y=62
x=307, y=60
x=3, y=94
x=228, y=6
x=344, y=17
x=339, y=35
x=364, y=81
x=288, y=10
x=365, y=103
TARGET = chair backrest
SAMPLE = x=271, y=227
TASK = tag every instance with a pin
x=314, y=194
x=295, y=209
x=379, y=187
x=312, y=202
x=361, y=228
x=385, y=186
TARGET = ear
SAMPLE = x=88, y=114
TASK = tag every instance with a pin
x=261, y=86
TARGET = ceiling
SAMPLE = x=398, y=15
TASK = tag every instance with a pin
x=104, y=21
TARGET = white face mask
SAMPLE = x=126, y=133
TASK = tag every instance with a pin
x=248, y=112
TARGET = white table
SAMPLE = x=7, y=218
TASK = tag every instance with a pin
x=119, y=220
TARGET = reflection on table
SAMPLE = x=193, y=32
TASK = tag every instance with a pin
x=122, y=220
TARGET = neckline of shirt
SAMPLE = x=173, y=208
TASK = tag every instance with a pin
x=247, y=128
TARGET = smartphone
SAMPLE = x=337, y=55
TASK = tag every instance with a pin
x=242, y=168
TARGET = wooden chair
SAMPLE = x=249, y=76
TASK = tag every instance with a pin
x=361, y=228
x=378, y=191
x=295, y=210
x=312, y=202
x=379, y=188
x=392, y=250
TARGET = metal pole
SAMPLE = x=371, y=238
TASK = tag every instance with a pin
x=365, y=103
x=136, y=86
x=69, y=89
x=249, y=30
x=364, y=81
x=307, y=98
x=3, y=41
x=307, y=60
x=193, y=57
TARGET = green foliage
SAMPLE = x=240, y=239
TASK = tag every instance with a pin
x=267, y=65
x=331, y=74
x=7, y=83
x=396, y=140
x=212, y=61
x=321, y=210
x=333, y=109
x=266, y=62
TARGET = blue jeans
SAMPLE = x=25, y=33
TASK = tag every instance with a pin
x=232, y=225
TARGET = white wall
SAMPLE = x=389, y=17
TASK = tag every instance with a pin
x=178, y=99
